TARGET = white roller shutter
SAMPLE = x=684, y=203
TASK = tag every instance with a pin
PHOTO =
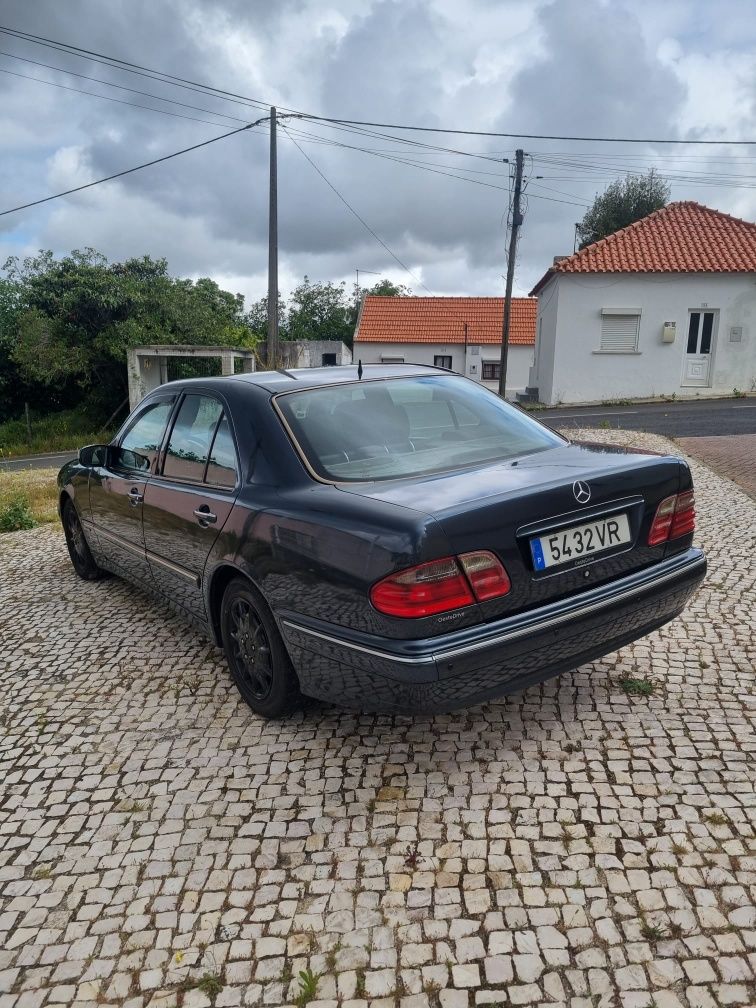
x=619, y=332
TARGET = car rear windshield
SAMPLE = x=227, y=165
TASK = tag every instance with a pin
x=399, y=427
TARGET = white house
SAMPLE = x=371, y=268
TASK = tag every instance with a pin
x=666, y=306
x=459, y=333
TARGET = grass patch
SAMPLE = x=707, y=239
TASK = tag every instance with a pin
x=637, y=687
x=69, y=429
x=30, y=493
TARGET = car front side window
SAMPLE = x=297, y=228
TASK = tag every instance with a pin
x=141, y=443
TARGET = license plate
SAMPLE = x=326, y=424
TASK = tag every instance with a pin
x=572, y=544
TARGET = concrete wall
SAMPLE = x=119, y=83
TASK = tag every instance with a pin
x=570, y=368
x=309, y=353
x=518, y=364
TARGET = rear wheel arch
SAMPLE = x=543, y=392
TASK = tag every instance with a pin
x=220, y=580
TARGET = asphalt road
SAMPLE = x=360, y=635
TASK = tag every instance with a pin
x=707, y=418
x=54, y=461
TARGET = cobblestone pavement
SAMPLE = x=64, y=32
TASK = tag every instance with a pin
x=733, y=457
x=569, y=845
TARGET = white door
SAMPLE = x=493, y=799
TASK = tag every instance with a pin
x=698, y=352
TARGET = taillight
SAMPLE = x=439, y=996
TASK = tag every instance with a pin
x=684, y=518
x=486, y=574
x=675, y=517
x=441, y=585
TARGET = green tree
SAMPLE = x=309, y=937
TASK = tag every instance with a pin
x=11, y=393
x=319, y=311
x=623, y=202
x=77, y=316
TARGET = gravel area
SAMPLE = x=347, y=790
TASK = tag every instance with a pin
x=575, y=844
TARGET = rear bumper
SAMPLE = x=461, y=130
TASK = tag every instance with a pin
x=479, y=663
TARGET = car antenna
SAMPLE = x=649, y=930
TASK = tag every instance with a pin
x=359, y=370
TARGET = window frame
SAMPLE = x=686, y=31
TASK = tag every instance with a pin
x=225, y=412
x=301, y=453
x=495, y=364
x=442, y=357
x=133, y=419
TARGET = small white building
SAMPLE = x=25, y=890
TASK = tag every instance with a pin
x=666, y=306
x=462, y=334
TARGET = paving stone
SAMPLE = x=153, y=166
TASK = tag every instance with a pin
x=153, y=830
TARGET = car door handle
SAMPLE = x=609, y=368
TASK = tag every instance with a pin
x=136, y=496
x=205, y=516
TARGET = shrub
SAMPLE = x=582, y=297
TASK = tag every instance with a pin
x=15, y=514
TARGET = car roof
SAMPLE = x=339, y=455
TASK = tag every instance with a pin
x=291, y=379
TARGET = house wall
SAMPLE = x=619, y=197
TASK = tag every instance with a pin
x=571, y=369
x=519, y=359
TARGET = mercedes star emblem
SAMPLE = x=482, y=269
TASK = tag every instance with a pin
x=582, y=492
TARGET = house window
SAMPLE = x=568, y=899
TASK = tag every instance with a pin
x=392, y=360
x=491, y=370
x=619, y=332
x=442, y=360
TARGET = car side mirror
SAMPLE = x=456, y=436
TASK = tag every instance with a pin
x=93, y=455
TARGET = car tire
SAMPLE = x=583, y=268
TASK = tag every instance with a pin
x=78, y=547
x=256, y=654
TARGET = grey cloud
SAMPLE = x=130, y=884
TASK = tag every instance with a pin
x=564, y=68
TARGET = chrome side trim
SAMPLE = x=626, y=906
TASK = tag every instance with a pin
x=501, y=638
x=123, y=543
x=147, y=555
x=429, y=660
x=181, y=571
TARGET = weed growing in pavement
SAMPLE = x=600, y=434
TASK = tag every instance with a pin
x=716, y=818
x=210, y=984
x=308, y=987
x=637, y=687
x=652, y=932
x=42, y=872
x=411, y=856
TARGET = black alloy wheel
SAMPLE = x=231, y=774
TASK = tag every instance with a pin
x=78, y=548
x=255, y=652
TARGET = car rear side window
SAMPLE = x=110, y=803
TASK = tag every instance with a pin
x=141, y=443
x=221, y=466
x=191, y=438
x=400, y=427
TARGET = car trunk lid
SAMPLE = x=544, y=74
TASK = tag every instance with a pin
x=504, y=506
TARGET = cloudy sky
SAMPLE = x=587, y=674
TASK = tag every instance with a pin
x=676, y=70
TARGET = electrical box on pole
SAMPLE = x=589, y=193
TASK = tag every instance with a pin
x=516, y=223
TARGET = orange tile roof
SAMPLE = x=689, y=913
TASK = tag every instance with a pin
x=442, y=319
x=684, y=237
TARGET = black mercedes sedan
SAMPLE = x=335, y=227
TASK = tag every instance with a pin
x=394, y=538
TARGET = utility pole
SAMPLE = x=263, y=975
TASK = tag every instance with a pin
x=516, y=222
x=273, y=248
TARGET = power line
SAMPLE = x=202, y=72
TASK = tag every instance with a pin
x=530, y=136
x=118, y=101
x=351, y=209
x=128, y=171
x=120, y=87
x=133, y=68
x=233, y=96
